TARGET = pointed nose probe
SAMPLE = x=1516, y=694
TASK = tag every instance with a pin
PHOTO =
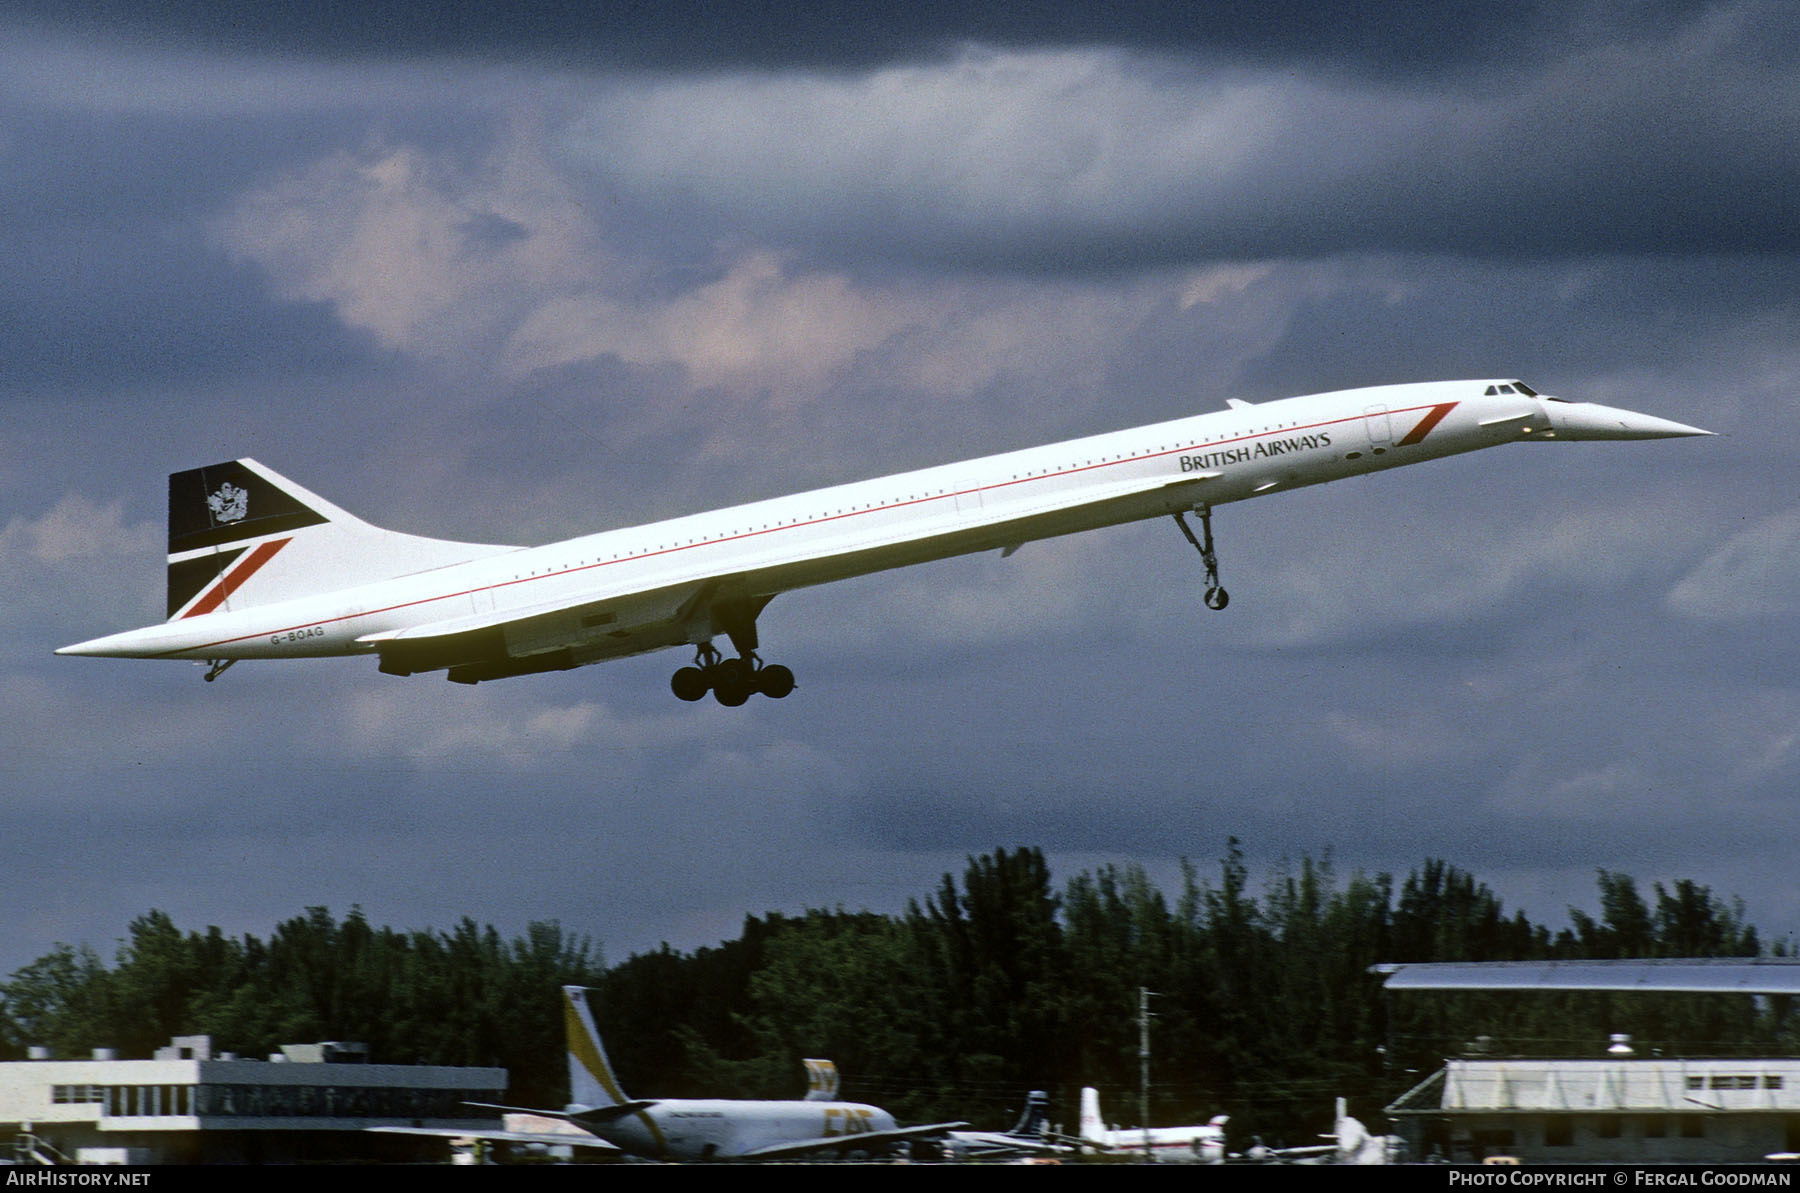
x=1586, y=420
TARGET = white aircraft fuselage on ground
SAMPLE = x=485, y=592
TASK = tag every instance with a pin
x=712, y=1128
x=723, y=1129
x=1202, y=1143
x=260, y=568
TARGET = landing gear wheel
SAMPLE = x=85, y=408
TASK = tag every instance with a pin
x=733, y=681
x=775, y=682
x=1216, y=596
x=689, y=684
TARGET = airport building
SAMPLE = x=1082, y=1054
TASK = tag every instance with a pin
x=307, y=1103
x=1623, y=1108
x=1618, y=1110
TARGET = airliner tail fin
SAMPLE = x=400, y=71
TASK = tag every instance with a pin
x=821, y=1080
x=242, y=535
x=591, y=1080
x=1093, y=1128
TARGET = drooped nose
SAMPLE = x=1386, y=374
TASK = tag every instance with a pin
x=1586, y=420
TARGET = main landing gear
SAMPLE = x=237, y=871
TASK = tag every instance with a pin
x=1216, y=597
x=731, y=681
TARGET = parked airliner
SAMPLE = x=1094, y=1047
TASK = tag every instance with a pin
x=713, y=1128
x=1351, y=1144
x=260, y=568
x=1203, y=1143
x=1030, y=1136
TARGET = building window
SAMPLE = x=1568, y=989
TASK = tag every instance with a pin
x=332, y=1101
x=1610, y=1127
x=1693, y=1128
x=76, y=1095
x=1559, y=1132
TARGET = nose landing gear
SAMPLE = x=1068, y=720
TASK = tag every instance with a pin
x=1216, y=597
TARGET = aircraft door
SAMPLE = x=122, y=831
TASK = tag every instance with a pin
x=968, y=499
x=1379, y=426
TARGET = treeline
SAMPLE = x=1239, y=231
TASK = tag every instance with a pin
x=465, y=997
x=1263, y=1004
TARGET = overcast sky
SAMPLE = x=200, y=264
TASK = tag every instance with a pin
x=516, y=271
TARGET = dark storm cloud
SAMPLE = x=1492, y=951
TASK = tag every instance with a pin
x=1405, y=35
x=1089, y=161
x=1497, y=752
x=108, y=271
x=488, y=230
x=110, y=308
x=1557, y=323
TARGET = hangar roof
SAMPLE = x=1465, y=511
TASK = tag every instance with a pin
x=1709, y=975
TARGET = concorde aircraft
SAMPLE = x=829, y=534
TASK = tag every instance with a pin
x=260, y=568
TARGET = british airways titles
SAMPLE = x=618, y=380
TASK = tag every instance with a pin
x=1259, y=450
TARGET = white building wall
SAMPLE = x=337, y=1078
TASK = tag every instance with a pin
x=29, y=1089
x=1619, y=1109
x=157, y=1110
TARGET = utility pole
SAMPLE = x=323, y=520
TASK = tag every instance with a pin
x=1144, y=1066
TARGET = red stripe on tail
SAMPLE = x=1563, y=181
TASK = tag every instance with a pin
x=234, y=579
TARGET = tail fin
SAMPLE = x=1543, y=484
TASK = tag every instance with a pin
x=821, y=1081
x=241, y=534
x=1092, y=1127
x=1037, y=1109
x=591, y=1080
x=1352, y=1137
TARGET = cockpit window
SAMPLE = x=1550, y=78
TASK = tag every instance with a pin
x=1515, y=387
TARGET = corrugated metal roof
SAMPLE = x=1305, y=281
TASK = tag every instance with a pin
x=1711, y=975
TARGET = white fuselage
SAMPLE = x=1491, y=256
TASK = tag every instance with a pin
x=1201, y=1144
x=625, y=591
x=1204, y=1142
x=705, y=1129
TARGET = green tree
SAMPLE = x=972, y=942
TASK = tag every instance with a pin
x=63, y=1001
x=990, y=957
